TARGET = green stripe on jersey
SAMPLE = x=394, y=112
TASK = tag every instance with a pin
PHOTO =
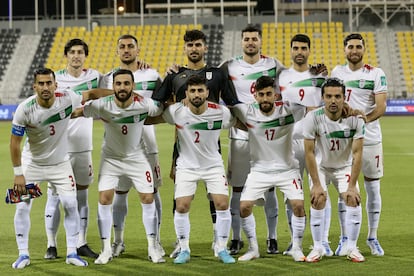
x=282, y=121
x=85, y=86
x=316, y=82
x=207, y=125
x=361, y=84
x=131, y=119
x=271, y=73
x=59, y=116
x=145, y=85
x=341, y=134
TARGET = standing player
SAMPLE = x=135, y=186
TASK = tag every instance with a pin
x=44, y=117
x=243, y=71
x=339, y=141
x=299, y=85
x=366, y=89
x=123, y=158
x=198, y=124
x=270, y=127
x=174, y=86
x=146, y=81
x=78, y=79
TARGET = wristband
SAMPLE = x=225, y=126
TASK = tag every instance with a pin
x=18, y=170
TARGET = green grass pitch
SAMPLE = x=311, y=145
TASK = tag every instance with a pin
x=395, y=232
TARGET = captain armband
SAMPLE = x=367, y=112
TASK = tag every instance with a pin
x=18, y=130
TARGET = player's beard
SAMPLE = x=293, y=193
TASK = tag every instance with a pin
x=123, y=99
x=196, y=58
x=266, y=107
x=197, y=102
x=354, y=59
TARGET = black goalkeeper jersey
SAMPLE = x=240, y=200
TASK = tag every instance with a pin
x=217, y=83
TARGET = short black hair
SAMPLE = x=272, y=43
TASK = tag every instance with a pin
x=263, y=82
x=43, y=71
x=123, y=72
x=128, y=36
x=333, y=82
x=196, y=80
x=353, y=36
x=193, y=35
x=76, y=42
x=251, y=29
x=300, y=38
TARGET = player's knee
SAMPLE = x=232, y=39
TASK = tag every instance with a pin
x=245, y=209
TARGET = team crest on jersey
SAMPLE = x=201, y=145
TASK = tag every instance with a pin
x=210, y=125
x=136, y=118
x=209, y=75
x=361, y=83
x=144, y=85
x=62, y=114
x=347, y=132
x=89, y=84
x=314, y=82
x=265, y=73
x=282, y=121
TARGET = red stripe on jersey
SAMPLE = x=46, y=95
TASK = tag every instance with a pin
x=178, y=126
x=282, y=88
x=84, y=69
x=263, y=56
x=138, y=98
x=213, y=105
x=249, y=125
x=59, y=94
x=278, y=103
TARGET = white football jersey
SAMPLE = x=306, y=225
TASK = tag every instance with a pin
x=361, y=87
x=333, y=138
x=47, y=128
x=198, y=135
x=80, y=129
x=302, y=88
x=123, y=126
x=270, y=137
x=244, y=75
x=146, y=81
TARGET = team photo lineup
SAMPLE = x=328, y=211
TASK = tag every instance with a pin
x=285, y=123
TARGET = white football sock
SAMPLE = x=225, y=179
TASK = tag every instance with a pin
x=149, y=219
x=71, y=221
x=182, y=229
x=104, y=225
x=353, y=224
x=298, y=228
x=317, y=227
x=327, y=218
x=341, y=215
x=52, y=217
x=83, y=208
x=119, y=213
x=22, y=226
x=249, y=227
x=223, y=226
x=373, y=206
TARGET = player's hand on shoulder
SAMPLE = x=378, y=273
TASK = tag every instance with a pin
x=78, y=112
x=317, y=69
x=142, y=65
x=173, y=69
x=347, y=111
